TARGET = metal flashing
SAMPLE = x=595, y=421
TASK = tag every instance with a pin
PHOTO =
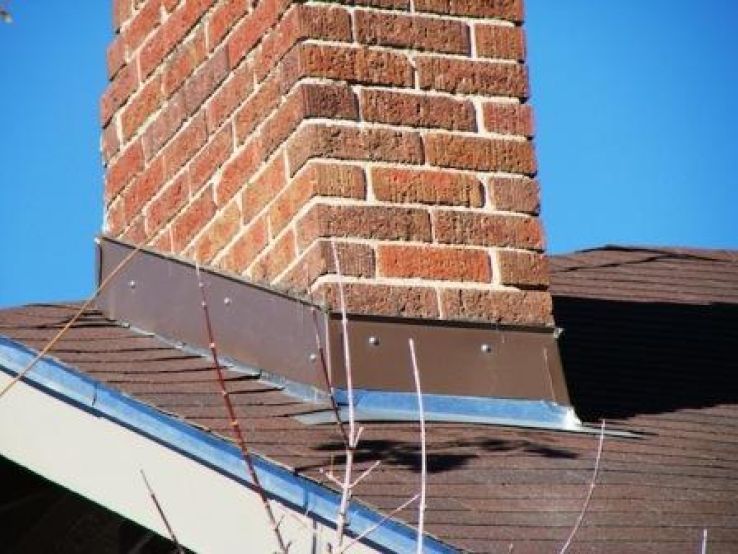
x=275, y=333
x=304, y=495
x=509, y=412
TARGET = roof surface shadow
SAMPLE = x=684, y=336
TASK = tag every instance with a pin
x=624, y=358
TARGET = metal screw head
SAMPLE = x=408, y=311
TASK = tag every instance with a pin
x=227, y=301
x=374, y=341
x=313, y=357
x=132, y=284
x=487, y=348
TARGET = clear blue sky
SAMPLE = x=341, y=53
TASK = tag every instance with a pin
x=636, y=108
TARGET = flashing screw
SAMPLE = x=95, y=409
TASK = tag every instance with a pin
x=312, y=357
x=132, y=284
x=486, y=348
x=374, y=341
x=227, y=301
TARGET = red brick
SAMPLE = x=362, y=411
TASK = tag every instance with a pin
x=301, y=22
x=275, y=260
x=353, y=143
x=427, y=187
x=333, y=101
x=472, y=228
x=363, y=221
x=374, y=299
x=508, y=119
x=224, y=16
x=184, y=145
x=418, y=110
x=198, y=213
x=511, y=10
x=396, y=4
x=251, y=29
x=357, y=65
x=205, y=80
x=522, y=269
x=122, y=10
x=233, y=91
x=143, y=189
x=218, y=233
x=207, y=161
x=391, y=4
x=318, y=179
x=170, y=5
x=506, y=307
x=500, y=42
x=480, y=154
x=135, y=233
x=261, y=190
x=472, y=77
x=123, y=170
x=115, y=220
x=164, y=125
x=257, y=108
x=356, y=260
x=237, y=171
x=184, y=61
x=515, y=194
x=243, y=251
x=141, y=106
x=118, y=91
x=163, y=243
x=169, y=35
x=144, y=22
x=307, y=101
x=412, y=31
x=168, y=203
x=433, y=262
x=115, y=56
x=109, y=143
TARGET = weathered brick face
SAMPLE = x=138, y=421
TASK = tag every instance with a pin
x=255, y=136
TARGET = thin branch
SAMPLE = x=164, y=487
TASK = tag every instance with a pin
x=342, y=519
x=236, y=430
x=592, y=485
x=423, y=453
x=703, y=547
x=328, y=381
x=162, y=515
x=346, y=347
x=365, y=474
x=381, y=522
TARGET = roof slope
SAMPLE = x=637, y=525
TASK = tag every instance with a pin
x=661, y=368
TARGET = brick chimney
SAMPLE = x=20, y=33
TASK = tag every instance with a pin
x=248, y=135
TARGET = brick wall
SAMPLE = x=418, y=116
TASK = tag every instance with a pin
x=248, y=135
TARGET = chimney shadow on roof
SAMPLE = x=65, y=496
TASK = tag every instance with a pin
x=443, y=456
x=622, y=359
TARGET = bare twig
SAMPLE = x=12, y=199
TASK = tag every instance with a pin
x=366, y=473
x=592, y=485
x=703, y=547
x=162, y=515
x=423, y=453
x=328, y=380
x=380, y=522
x=342, y=520
x=71, y=322
x=236, y=430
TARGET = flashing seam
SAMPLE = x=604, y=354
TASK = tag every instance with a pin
x=69, y=385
